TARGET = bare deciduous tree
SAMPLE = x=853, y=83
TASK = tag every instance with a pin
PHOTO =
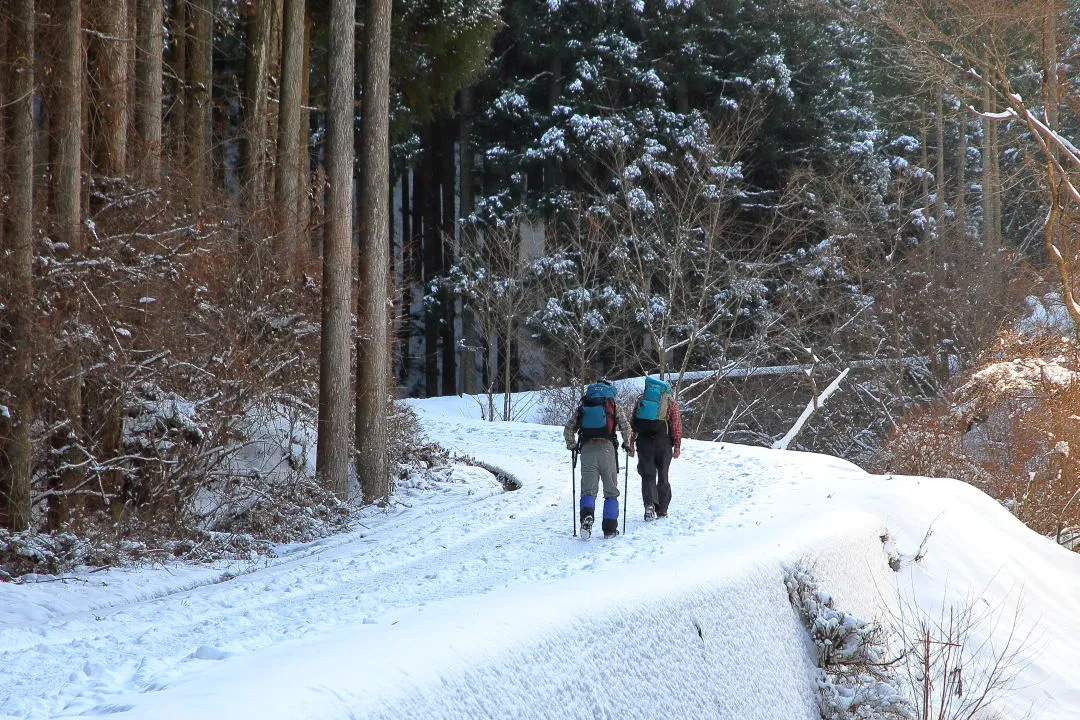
x=492, y=284
x=960, y=662
x=991, y=45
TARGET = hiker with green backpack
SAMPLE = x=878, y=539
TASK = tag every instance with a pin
x=590, y=432
x=657, y=436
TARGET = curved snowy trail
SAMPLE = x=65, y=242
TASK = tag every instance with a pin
x=123, y=631
x=432, y=607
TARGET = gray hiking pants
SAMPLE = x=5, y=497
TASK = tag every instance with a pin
x=599, y=461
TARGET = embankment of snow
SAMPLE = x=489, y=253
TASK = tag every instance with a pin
x=706, y=632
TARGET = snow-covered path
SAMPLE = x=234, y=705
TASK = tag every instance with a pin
x=135, y=641
x=93, y=645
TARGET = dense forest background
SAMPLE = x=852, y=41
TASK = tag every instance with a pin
x=748, y=196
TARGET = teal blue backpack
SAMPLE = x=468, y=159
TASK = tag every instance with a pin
x=651, y=414
x=597, y=418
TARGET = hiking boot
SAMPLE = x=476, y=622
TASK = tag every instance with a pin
x=650, y=513
x=610, y=534
x=586, y=527
x=661, y=513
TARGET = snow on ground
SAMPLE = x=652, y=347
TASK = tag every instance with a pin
x=463, y=601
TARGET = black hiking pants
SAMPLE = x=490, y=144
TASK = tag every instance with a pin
x=654, y=457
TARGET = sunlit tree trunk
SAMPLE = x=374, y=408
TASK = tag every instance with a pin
x=5, y=86
x=373, y=341
x=68, y=85
x=17, y=257
x=304, y=247
x=332, y=458
x=254, y=160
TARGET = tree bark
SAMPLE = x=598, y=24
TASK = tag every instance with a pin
x=961, y=170
x=924, y=161
x=287, y=185
x=469, y=377
x=427, y=203
x=1052, y=100
x=256, y=114
x=1051, y=65
x=373, y=341
x=17, y=256
x=990, y=179
x=109, y=48
x=332, y=458
x=69, y=72
x=176, y=116
x=148, y=76
x=404, y=287
x=67, y=118
x=5, y=96
x=198, y=91
x=303, y=250
x=447, y=225
x=939, y=154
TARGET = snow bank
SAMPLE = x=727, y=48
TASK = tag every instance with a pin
x=704, y=634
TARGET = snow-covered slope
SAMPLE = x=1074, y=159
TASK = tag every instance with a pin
x=463, y=601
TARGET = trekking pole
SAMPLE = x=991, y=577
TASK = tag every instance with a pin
x=573, y=488
x=625, y=487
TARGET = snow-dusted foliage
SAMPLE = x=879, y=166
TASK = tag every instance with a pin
x=691, y=140
x=583, y=86
x=580, y=304
x=28, y=557
x=856, y=676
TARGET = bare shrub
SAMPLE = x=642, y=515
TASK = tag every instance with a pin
x=557, y=403
x=915, y=666
x=1009, y=429
x=299, y=511
x=157, y=346
x=962, y=660
x=409, y=447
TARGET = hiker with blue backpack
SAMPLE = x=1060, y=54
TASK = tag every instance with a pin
x=657, y=436
x=590, y=432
